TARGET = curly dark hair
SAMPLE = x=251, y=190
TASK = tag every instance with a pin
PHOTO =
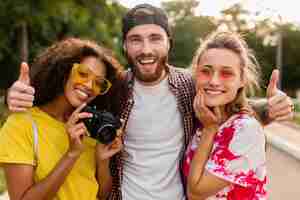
x=51, y=69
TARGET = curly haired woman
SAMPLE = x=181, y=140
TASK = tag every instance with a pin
x=65, y=164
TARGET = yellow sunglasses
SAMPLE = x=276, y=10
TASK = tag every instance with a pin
x=81, y=74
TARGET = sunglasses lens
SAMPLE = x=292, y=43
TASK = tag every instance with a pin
x=83, y=75
x=103, y=86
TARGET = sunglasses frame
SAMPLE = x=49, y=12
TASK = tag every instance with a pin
x=75, y=70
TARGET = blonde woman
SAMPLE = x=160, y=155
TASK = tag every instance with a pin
x=226, y=158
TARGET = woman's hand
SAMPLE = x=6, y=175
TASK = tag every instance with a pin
x=76, y=131
x=105, y=151
x=103, y=154
x=200, y=184
x=209, y=117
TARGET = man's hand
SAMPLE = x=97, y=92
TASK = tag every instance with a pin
x=20, y=95
x=280, y=106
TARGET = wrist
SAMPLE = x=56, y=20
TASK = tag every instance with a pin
x=213, y=127
x=100, y=159
x=73, y=154
x=100, y=153
x=210, y=129
x=103, y=162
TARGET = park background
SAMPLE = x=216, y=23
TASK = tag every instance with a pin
x=28, y=26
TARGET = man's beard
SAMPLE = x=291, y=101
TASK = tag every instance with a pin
x=161, y=63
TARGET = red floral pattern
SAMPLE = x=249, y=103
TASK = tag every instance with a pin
x=248, y=180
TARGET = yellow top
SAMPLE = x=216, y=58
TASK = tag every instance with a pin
x=16, y=146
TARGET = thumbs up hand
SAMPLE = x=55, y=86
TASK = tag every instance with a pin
x=20, y=95
x=280, y=106
x=272, y=87
x=24, y=74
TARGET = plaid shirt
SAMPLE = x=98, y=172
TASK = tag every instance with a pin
x=182, y=86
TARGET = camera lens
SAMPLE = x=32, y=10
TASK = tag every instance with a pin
x=102, y=126
x=106, y=134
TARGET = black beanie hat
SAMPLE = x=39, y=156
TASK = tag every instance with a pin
x=145, y=14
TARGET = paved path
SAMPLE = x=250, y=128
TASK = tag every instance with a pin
x=4, y=196
x=285, y=137
x=284, y=175
x=283, y=161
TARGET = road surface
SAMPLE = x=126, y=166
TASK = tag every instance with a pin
x=284, y=175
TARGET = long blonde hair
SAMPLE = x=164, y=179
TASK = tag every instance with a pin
x=250, y=69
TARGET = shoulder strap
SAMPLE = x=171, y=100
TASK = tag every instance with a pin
x=35, y=138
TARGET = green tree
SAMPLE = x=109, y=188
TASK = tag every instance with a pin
x=235, y=18
x=267, y=51
x=188, y=30
x=29, y=26
x=290, y=57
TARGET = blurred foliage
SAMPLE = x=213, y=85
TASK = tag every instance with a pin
x=190, y=29
x=291, y=58
x=2, y=182
x=297, y=119
x=297, y=111
x=234, y=18
x=3, y=112
x=35, y=25
x=297, y=106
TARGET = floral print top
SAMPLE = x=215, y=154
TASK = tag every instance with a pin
x=238, y=156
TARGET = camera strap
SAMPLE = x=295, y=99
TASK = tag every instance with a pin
x=35, y=139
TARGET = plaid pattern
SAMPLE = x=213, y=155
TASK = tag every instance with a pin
x=182, y=86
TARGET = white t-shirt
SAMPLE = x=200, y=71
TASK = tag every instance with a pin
x=154, y=139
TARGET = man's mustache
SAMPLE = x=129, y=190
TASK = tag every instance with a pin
x=146, y=56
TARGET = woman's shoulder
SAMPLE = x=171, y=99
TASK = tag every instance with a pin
x=242, y=120
x=243, y=126
x=246, y=129
x=21, y=120
x=16, y=139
